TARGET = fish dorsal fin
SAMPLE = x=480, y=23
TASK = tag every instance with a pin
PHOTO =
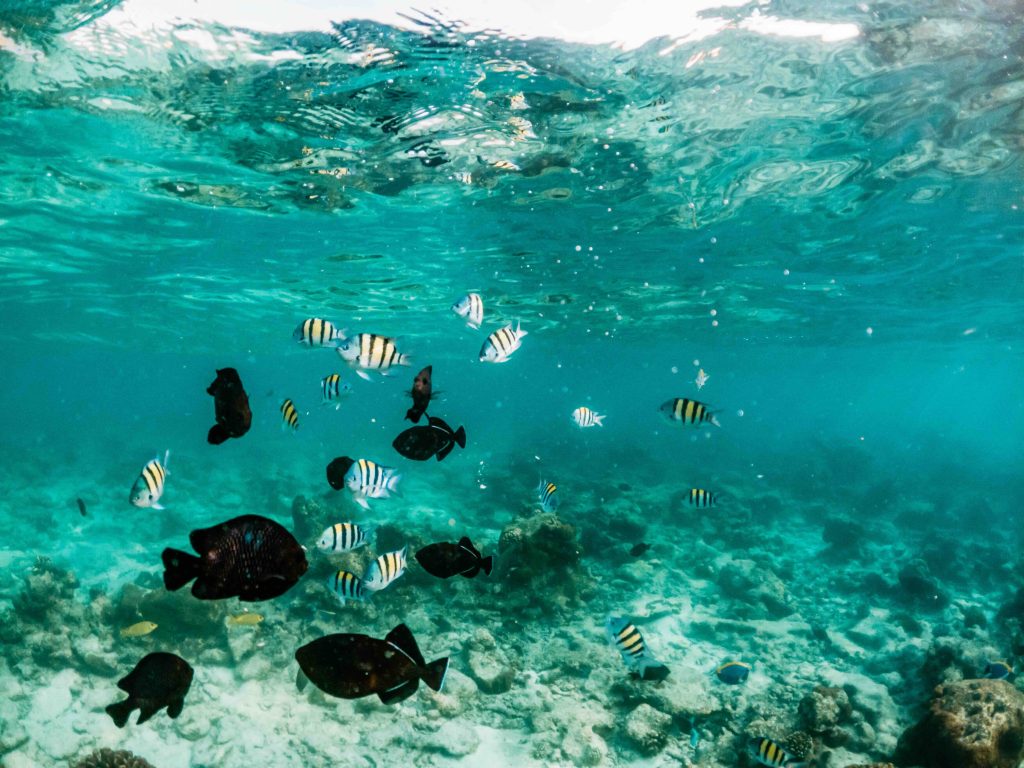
x=203, y=539
x=467, y=545
x=439, y=423
x=401, y=638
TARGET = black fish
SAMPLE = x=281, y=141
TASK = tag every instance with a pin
x=445, y=559
x=159, y=680
x=336, y=471
x=420, y=443
x=81, y=507
x=231, y=406
x=422, y=391
x=638, y=549
x=351, y=666
x=249, y=557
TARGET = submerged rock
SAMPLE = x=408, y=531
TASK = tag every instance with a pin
x=969, y=724
x=109, y=758
x=648, y=729
x=823, y=710
x=761, y=593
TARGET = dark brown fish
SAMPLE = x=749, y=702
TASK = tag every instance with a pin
x=248, y=557
x=81, y=507
x=445, y=559
x=231, y=406
x=159, y=680
x=422, y=391
x=336, y=471
x=435, y=439
x=351, y=666
x=638, y=549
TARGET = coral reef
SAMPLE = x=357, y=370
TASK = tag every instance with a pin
x=969, y=724
x=109, y=758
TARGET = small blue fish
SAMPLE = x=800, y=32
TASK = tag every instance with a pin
x=998, y=670
x=733, y=672
x=694, y=736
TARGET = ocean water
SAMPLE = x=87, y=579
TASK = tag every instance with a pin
x=818, y=204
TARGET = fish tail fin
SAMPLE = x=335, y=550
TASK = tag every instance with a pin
x=393, y=482
x=362, y=502
x=433, y=674
x=412, y=416
x=368, y=531
x=599, y=420
x=218, y=434
x=460, y=437
x=167, y=457
x=715, y=421
x=363, y=374
x=120, y=712
x=519, y=329
x=487, y=563
x=404, y=359
x=179, y=568
x=157, y=506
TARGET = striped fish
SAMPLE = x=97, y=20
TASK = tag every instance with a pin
x=767, y=752
x=688, y=411
x=584, y=417
x=700, y=498
x=370, y=352
x=546, y=496
x=347, y=586
x=315, y=332
x=289, y=415
x=344, y=537
x=333, y=388
x=471, y=307
x=149, y=485
x=628, y=641
x=385, y=569
x=369, y=480
x=501, y=344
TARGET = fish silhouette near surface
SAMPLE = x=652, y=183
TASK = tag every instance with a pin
x=231, y=407
x=250, y=557
x=446, y=559
x=351, y=666
x=436, y=438
x=159, y=680
x=421, y=393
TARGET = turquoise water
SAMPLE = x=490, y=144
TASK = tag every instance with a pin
x=825, y=219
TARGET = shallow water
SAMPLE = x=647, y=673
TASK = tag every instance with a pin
x=816, y=204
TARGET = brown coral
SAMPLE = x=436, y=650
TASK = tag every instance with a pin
x=109, y=758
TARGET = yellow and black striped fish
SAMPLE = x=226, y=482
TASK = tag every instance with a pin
x=767, y=752
x=344, y=537
x=628, y=641
x=347, y=586
x=289, y=415
x=688, y=411
x=546, y=496
x=333, y=388
x=701, y=498
x=149, y=485
x=371, y=352
x=315, y=332
x=501, y=344
x=385, y=569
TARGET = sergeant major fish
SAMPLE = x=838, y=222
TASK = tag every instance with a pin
x=385, y=569
x=347, y=586
x=584, y=417
x=149, y=486
x=289, y=415
x=688, y=411
x=369, y=480
x=470, y=307
x=344, y=537
x=698, y=497
x=332, y=388
x=767, y=752
x=546, y=496
x=501, y=344
x=315, y=332
x=370, y=352
x=626, y=638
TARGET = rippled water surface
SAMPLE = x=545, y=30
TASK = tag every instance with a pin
x=819, y=204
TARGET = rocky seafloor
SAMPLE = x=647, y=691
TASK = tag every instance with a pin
x=866, y=611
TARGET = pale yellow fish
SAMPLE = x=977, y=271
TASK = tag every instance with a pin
x=245, y=619
x=702, y=379
x=138, y=630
